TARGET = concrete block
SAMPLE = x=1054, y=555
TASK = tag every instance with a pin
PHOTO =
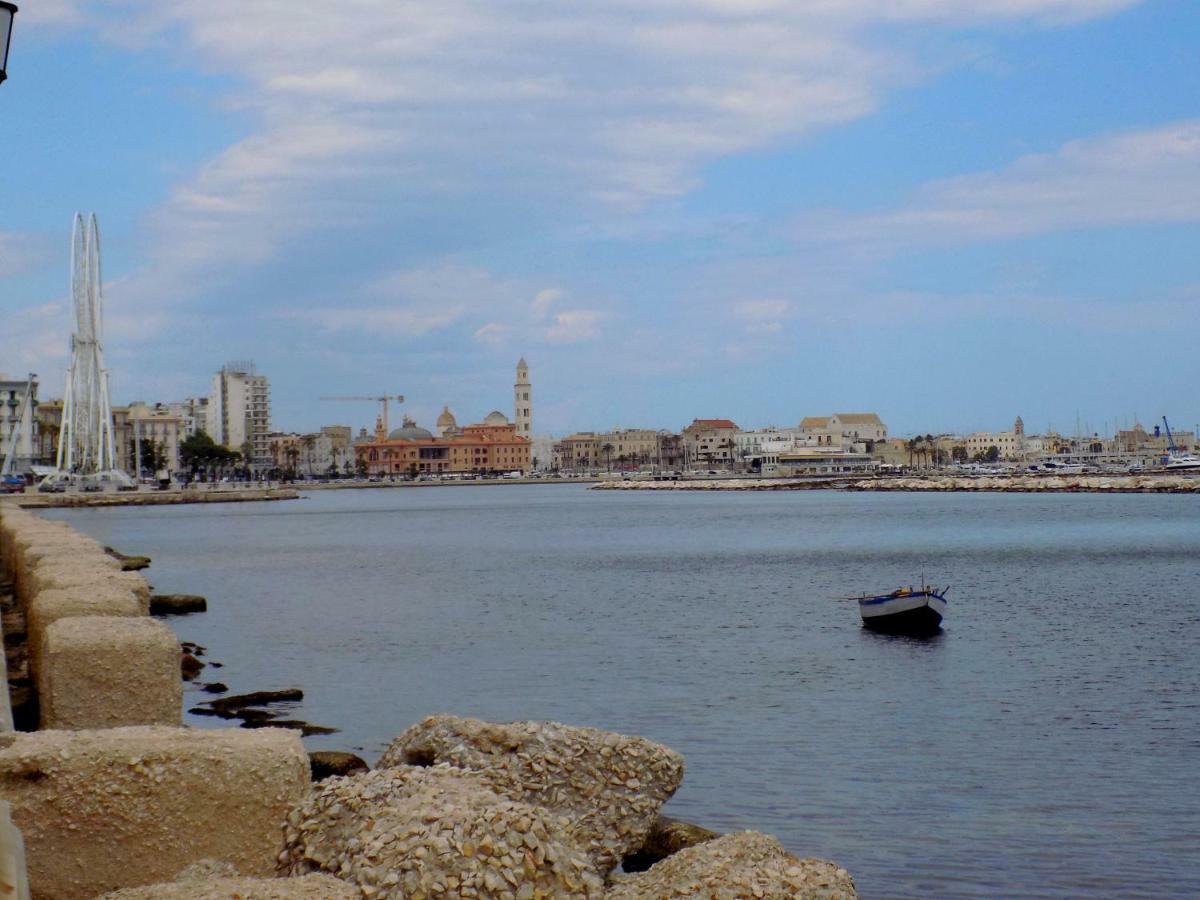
x=124, y=807
x=107, y=671
x=81, y=573
x=48, y=606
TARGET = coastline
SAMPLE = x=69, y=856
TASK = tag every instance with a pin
x=1036, y=484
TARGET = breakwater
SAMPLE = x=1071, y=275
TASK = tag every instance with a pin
x=1036, y=484
x=113, y=795
x=153, y=498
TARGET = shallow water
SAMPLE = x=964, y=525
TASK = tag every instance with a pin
x=1046, y=744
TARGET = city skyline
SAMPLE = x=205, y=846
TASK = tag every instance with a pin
x=950, y=215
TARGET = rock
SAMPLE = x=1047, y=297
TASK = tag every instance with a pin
x=609, y=786
x=746, y=864
x=408, y=831
x=310, y=887
x=327, y=763
x=176, y=604
x=667, y=836
x=305, y=729
x=215, y=687
x=257, y=698
x=189, y=666
x=128, y=563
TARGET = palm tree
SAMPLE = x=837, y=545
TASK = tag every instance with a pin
x=607, y=450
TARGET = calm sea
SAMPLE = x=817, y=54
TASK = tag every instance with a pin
x=1046, y=744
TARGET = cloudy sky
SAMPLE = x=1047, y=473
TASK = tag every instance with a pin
x=947, y=211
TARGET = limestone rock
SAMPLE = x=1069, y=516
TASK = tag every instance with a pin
x=746, y=864
x=310, y=887
x=610, y=786
x=327, y=763
x=409, y=831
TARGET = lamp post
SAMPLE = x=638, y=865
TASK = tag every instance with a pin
x=7, y=11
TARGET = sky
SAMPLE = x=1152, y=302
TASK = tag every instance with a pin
x=948, y=212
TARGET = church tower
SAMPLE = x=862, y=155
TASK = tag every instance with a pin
x=523, y=401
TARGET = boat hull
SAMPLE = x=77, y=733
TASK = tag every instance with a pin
x=917, y=613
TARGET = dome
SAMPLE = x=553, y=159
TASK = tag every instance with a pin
x=409, y=431
x=446, y=418
x=495, y=417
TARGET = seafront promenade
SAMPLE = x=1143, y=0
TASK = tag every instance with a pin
x=115, y=798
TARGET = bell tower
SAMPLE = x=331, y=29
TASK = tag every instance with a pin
x=523, y=401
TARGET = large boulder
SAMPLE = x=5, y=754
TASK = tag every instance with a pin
x=745, y=864
x=409, y=832
x=609, y=786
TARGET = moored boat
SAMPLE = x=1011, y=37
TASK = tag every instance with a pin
x=904, y=610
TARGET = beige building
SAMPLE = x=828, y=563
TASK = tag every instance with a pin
x=843, y=429
x=579, y=452
x=239, y=412
x=155, y=424
x=710, y=442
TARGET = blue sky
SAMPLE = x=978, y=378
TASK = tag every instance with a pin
x=950, y=212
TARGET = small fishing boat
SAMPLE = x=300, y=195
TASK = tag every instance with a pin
x=905, y=610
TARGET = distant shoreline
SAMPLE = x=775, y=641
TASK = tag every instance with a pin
x=1025, y=484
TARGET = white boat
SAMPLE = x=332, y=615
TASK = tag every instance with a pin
x=1182, y=462
x=904, y=610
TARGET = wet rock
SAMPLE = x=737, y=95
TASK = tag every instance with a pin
x=327, y=763
x=609, y=786
x=667, y=836
x=128, y=563
x=176, y=604
x=409, y=832
x=305, y=728
x=215, y=687
x=256, y=698
x=746, y=864
x=255, y=715
x=189, y=666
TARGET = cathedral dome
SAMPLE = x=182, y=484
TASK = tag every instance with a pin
x=446, y=419
x=409, y=431
x=495, y=417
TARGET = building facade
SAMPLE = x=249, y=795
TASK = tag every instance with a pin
x=19, y=423
x=710, y=442
x=157, y=426
x=239, y=413
x=489, y=447
x=844, y=429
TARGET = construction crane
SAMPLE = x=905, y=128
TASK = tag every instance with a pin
x=399, y=398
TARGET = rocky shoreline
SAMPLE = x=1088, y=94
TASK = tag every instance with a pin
x=117, y=799
x=1037, y=484
x=154, y=498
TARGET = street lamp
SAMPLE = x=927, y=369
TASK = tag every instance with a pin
x=7, y=11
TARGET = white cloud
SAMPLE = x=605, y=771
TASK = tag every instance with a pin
x=20, y=252
x=573, y=326
x=1127, y=178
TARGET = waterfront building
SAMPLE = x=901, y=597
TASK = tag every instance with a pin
x=157, y=426
x=285, y=448
x=19, y=422
x=523, y=401
x=489, y=447
x=821, y=460
x=843, y=429
x=579, y=452
x=710, y=442
x=239, y=412
x=628, y=448
x=446, y=423
x=192, y=413
x=670, y=451
x=1008, y=443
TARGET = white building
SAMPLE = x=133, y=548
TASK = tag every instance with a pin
x=239, y=412
x=523, y=401
x=18, y=425
x=192, y=413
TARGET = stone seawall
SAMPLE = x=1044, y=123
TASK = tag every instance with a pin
x=33, y=500
x=116, y=799
x=1047, y=484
